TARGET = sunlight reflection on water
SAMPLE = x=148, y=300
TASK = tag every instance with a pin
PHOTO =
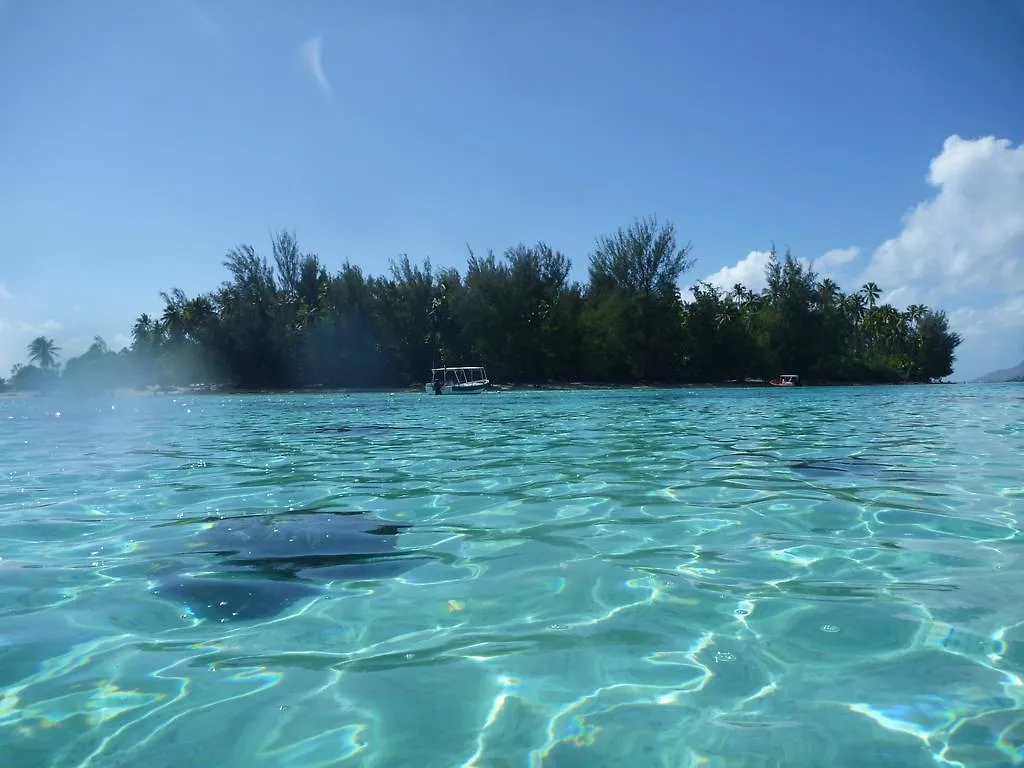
x=677, y=577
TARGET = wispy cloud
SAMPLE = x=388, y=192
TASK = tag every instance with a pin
x=311, y=57
x=4, y=293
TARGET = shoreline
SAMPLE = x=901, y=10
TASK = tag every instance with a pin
x=573, y=386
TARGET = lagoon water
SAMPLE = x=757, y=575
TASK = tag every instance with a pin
x=689, y=577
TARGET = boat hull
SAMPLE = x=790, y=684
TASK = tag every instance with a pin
x=472, y=388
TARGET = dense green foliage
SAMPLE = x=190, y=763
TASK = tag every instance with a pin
x=289, y=323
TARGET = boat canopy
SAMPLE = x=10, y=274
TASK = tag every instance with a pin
x=461, y=374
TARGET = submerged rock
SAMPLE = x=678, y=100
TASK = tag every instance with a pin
x=855, y=466
x=261, y=565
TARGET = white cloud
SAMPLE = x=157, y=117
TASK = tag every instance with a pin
x=993, y=337
x=831, y=261
x=961, y=250
x=311, y=56
x=1006, y=317
x=969, y=237
x=749, y=272
x=4, y=293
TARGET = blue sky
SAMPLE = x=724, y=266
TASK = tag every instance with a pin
x=141, y=141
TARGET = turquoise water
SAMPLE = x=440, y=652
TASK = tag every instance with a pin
x=635, y=578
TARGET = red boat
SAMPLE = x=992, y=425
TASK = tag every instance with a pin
x=786, y=380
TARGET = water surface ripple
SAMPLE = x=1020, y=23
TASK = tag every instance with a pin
x=714, y=578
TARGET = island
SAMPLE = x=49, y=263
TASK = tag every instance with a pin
x=1016, y=373
x=287, y=323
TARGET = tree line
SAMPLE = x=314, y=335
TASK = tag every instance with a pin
x=286, y=322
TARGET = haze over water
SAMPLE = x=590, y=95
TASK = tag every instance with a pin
x=689, y=577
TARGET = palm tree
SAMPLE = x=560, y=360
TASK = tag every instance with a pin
x=871, y=291
x=916, y=311
x=98, y=346
x=144, y=332
x=43, y=351
x=174, y=320
x=856, y=306
x=828, y=291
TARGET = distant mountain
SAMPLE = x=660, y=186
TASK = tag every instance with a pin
x=1007, y=374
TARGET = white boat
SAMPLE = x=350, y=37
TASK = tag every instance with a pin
x=457, y=380
x=786, y=380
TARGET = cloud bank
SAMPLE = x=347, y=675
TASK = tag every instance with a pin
x=969, y=238
x=961, y=250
